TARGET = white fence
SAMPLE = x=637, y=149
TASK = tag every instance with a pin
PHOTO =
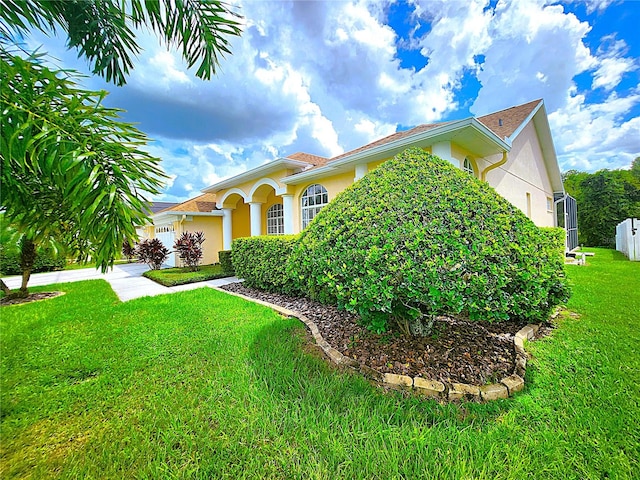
x=628, y=238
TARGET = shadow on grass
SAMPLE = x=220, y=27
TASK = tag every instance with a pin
x=293, y=370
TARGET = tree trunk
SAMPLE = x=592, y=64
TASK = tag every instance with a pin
x=4, y=287
x=27, y=259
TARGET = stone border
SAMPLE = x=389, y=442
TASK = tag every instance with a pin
x=429, y=388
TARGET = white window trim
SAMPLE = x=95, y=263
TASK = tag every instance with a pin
x=314, y=203
x=275, y=219
x=471, y=169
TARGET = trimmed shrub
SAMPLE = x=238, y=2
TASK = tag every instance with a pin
x=226, y=262
x=9, y=261
x=417, y=238
x=189, y=248
x=262, y=261
x=46, y=261
x=554, y=250
x=152, y=252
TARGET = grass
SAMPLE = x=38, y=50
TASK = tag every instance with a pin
x=79, y=266
x=200, y=384
x=170, y=277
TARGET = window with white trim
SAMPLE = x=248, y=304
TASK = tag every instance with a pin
x=467, y=166
x=313, y=199
x=275, y=220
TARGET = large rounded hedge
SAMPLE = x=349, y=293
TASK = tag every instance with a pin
x=417, y=238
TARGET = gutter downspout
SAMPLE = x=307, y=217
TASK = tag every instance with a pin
x=483, y=176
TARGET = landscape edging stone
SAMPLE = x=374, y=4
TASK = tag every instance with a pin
x=449, y=391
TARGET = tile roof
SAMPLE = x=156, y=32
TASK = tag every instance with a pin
x=307, y=157
x=505, y=122
x=202, y=203
x=154, y=207
x=389, y=139
x=502, y=123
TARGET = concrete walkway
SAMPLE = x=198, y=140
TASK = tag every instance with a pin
x=126, y=280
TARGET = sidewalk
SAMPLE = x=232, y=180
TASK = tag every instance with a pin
x=126, y=280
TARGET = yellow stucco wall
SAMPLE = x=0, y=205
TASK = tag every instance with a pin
x=212, y=229
x=334, y=185
x=247, y=187
x=241, y=219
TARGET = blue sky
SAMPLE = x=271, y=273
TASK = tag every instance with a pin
x=326, y=77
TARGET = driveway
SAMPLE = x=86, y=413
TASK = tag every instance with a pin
x=126, y=280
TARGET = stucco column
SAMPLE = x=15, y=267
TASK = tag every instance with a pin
x=227, y=228
x=256, y=218
x=443, y=150
x=287, y=210
x=361, y=171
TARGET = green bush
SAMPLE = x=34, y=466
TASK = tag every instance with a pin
x=262, y=261
x=417, y=238
x=226, y=262
x=46, y=261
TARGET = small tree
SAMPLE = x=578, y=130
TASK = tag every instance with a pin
x=128, y=250
x=189, y=248
x=152, y=252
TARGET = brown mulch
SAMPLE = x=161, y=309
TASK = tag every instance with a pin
x=458, y=351
x=32, y=297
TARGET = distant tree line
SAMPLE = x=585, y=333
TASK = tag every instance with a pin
x=605, y=198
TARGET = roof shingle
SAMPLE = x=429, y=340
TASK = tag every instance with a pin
x=202, y=203
x=505, y=122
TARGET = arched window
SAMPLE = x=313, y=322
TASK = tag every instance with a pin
x=275, y=220
x=467, y=166
x=313, y=199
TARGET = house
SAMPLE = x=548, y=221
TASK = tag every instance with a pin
x=511, y=149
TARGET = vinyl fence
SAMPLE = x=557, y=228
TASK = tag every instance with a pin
x=628, y=238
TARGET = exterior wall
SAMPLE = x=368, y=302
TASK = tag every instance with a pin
x=241, y=219
x=212, y=229
x=525, y=173
x=459, y=154
x=334, y=185
x=247, y=186
x=148, y=231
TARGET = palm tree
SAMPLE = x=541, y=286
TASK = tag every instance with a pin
x=103, y=31
x=71, y=171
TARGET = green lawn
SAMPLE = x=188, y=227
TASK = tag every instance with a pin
x=170, y=277
x=200, y=384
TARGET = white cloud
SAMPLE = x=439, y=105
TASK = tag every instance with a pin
x=595, y=136
x=611, y=63
x=535, y=51
x=325, y=77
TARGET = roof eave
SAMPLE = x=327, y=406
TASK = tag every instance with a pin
x=256, y=172
x=364, y=156
x=541, y=123
x=177, y=213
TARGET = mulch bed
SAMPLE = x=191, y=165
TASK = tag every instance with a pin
x=32, y=297
x=458, y=351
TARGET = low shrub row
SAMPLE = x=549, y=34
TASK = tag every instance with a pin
x=262, y=262
x=46, y=261
x=226, y=262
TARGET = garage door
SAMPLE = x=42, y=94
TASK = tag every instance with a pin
x=167, y=236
